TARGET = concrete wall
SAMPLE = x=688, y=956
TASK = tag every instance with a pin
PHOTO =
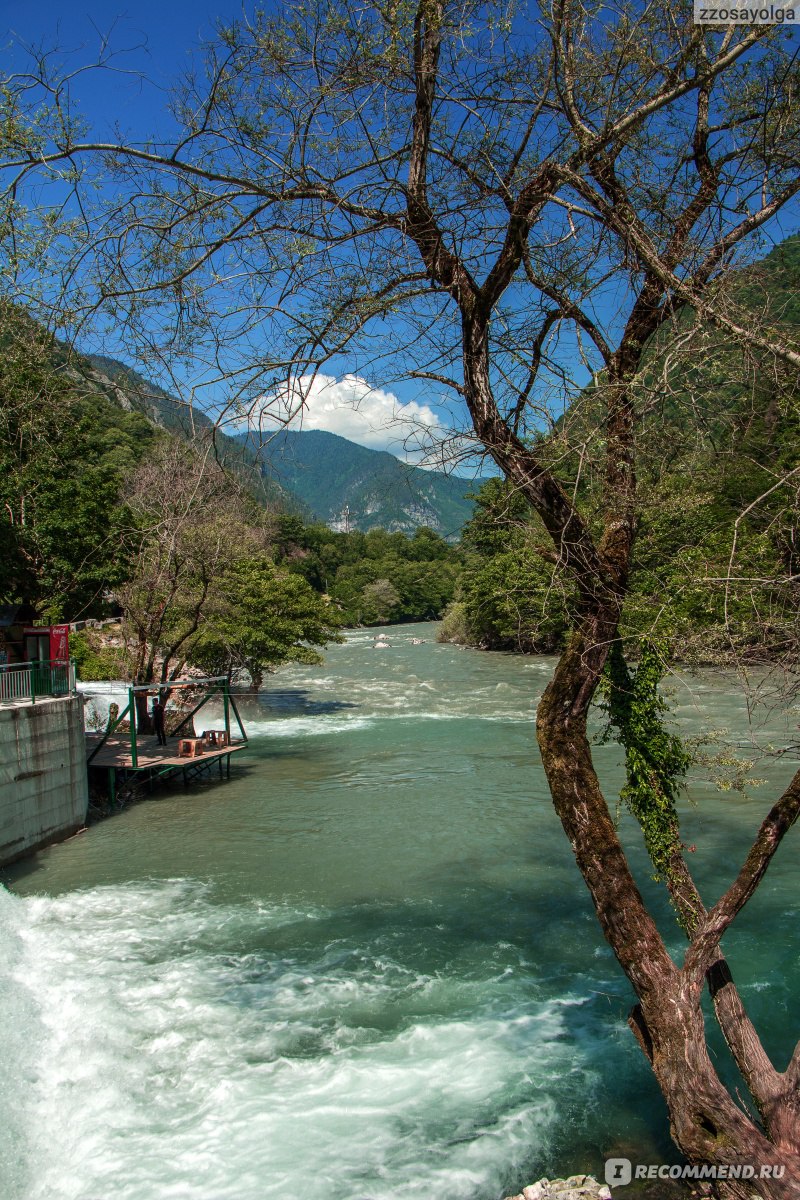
x=43, y=782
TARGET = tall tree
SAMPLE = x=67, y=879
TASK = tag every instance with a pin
x=510, y=205
x=265, y=617
x=203, y=587
x=64, y=452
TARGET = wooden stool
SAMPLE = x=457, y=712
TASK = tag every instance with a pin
x=190, y=747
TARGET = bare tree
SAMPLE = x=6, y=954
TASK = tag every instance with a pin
x=191, y=527
x=513, y=207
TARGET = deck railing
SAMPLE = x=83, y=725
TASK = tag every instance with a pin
x=36, y=680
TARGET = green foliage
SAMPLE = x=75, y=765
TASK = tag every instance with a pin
x=375, y=577
x=63, y=457
x=454, y=626
x=379, y=601
x=716, y=555
x=95, y=659
x=500, y=514
x=263, y=617
x=656, y=760
x=715, y=558
x=509, y=597
x=512, y=601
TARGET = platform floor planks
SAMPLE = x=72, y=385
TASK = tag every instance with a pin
x=117, y=753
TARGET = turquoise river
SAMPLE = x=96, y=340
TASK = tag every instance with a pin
x=366, y=968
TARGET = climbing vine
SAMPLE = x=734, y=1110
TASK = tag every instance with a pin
x=655, y=760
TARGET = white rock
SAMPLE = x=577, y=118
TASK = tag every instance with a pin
x=576, y=1187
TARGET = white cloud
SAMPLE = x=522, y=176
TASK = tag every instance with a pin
x=370, y=416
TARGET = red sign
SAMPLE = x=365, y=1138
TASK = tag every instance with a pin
x=47, y=641
x=59, y=643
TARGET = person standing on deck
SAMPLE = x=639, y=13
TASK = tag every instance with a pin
x=158, y=721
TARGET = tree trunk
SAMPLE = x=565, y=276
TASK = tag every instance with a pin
x=706, y=1124
x=144, y=720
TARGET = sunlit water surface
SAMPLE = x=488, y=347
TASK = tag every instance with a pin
x=366, y=967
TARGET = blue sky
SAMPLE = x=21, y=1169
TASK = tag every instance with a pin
x=158, y=36
x=154, y=41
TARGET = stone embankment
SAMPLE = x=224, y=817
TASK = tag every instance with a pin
x=43, y=786
x=577, y=1187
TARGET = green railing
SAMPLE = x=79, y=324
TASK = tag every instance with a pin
x=36, y=681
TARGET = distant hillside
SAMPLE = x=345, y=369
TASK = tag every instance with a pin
x=130, y=390
x=709, y=391
x=329, y=473
x=310, y=472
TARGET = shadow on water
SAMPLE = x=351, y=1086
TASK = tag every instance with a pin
x=13, y=872
x=295, y=701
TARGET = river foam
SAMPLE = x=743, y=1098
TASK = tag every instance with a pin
x=163, y=1044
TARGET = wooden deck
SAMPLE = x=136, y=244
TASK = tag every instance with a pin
x=150, y=756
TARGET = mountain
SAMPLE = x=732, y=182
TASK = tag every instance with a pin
x=311, y=472
x=130, y=390
x=332, y=475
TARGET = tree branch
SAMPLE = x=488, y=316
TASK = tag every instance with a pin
x=774, y=827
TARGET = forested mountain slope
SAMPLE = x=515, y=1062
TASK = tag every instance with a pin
x=72, y=432
x=131, y=391
x=329, y=474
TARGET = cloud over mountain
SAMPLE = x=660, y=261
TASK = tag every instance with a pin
x=370, y=416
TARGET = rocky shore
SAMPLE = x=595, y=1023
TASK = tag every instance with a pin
x=576, y=1187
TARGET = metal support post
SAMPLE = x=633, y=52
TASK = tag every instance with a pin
x=132, y=721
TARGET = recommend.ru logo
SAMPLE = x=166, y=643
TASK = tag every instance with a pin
x=618, y=1172
x=621, y=1171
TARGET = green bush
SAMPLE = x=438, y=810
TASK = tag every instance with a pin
x=96, y=661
